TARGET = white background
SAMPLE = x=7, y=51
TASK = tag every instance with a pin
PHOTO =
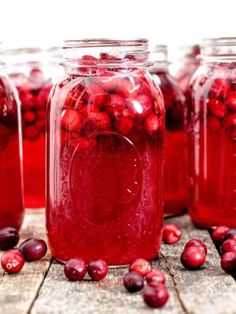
x=176, y=22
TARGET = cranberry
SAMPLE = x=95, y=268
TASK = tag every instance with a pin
x=229, y=245
x=31, y=132
x=12, y=261
x=145, y=104
x=71, y=120
x=126, y=87
x=217, y=108
x=231, y=101
x=133, y=281
x=152, y=124
x=197, y=243
x=97, y=95
x=228, y=262
x=193, y=257
x=230, y=120
x=219, y=88
x=155, y=276
x=100, y=121
x=75, y=269
x=29, y=116
x=155, y=296
x=9, y=237
x=213, y=123
x=140, y=266
x=124, y=125
x=115, y=104
x=33, y=249
x=219, y=233
x=230, y=234
x=171, y=233
x=97, y=269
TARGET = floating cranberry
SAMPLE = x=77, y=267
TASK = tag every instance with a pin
x=230, y=234
x=29, y=116
x=9, y=237
x=155, y=297
x=125, y=125
x=100, y=121
x=229, y=245
x=115, y=104
x=133, y=281
x=228, y=262
x=155, y=276
x=171, y=233
x=152, y=124
x=231, y=101
x=230, y=120
x=196, y=243
x=140, y=266
x=219, y=233
x=33, y=249
x=97, y=269
x=31, y=132
x=75, y=269
x=71, y=120
x=12, y=261
x=217, y=108
x=193, y=258
x=219, y=88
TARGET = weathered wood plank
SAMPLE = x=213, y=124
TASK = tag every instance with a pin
x=17, y=292
x=209, y=290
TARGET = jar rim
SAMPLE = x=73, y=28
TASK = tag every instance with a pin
x=221, y=49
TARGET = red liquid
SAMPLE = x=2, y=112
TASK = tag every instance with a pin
x=175, y=192
x=33, y=93
x=11, y=198
x=105, y=176
x=212, y=148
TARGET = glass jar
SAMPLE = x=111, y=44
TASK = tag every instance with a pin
x=175, y=192
x=105, y=154
x=32, y=71
x=212, y=135
x=188, y=64
x=11, y=193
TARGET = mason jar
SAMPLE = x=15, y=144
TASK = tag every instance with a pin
x=105, y=154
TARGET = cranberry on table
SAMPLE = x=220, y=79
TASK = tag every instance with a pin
x=12, y=261
x=219, y=233
x=9, y=237
x=228, y=262
x=140, y=266
x=97, y=269
x=155, y=297
x=171, y=233
x=193, y=258
x=229, y=245
x=155, y=276
x=33, y=249
x=133, y=281
x=75, y=269
x=196, y=243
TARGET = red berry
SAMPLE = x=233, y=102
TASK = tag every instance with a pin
x=124, y=125
x=152, y=124
x=31, y=132
x=230, y=234
x=75, y=269
x=193, y=257
x=100, y=121
x=12, y=261
x=97, y=269
x=115, y=104
x=145, y=105
x=197, y=243
x=140, y=266
x=29, y=116
x=171, y=233
x=230, y=120
x=97, y=95
x=71, y=120
x=133, y=281
x=231, y=101
x=229, y=245
x=9, y=237
x=219, y=88
x=155, y=297
x=219, y=233
x=126, y=87
x=155, y=276
x=228, y=262
x=213, y=123
x=217, y=108
x=33, y=249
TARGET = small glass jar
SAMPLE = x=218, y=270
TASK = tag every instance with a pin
x=33, y=71
x=11, y=193
x=175, y=174
x=188, y=64
x=105, y=154
x=212, y=135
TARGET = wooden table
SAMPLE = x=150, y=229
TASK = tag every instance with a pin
x=42, y=288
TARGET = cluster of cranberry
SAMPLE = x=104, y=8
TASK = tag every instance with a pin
x=30, y=250
x=33, y=92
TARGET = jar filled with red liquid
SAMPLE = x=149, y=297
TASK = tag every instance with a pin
x=175, y=191
x=105, y=154
x=32, y=71
x=188, y=64
x=11, y=187
x=212, y=135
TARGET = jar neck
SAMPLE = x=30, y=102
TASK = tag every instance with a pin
x=107, y=53
x=159, y=56
x=218, y=50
